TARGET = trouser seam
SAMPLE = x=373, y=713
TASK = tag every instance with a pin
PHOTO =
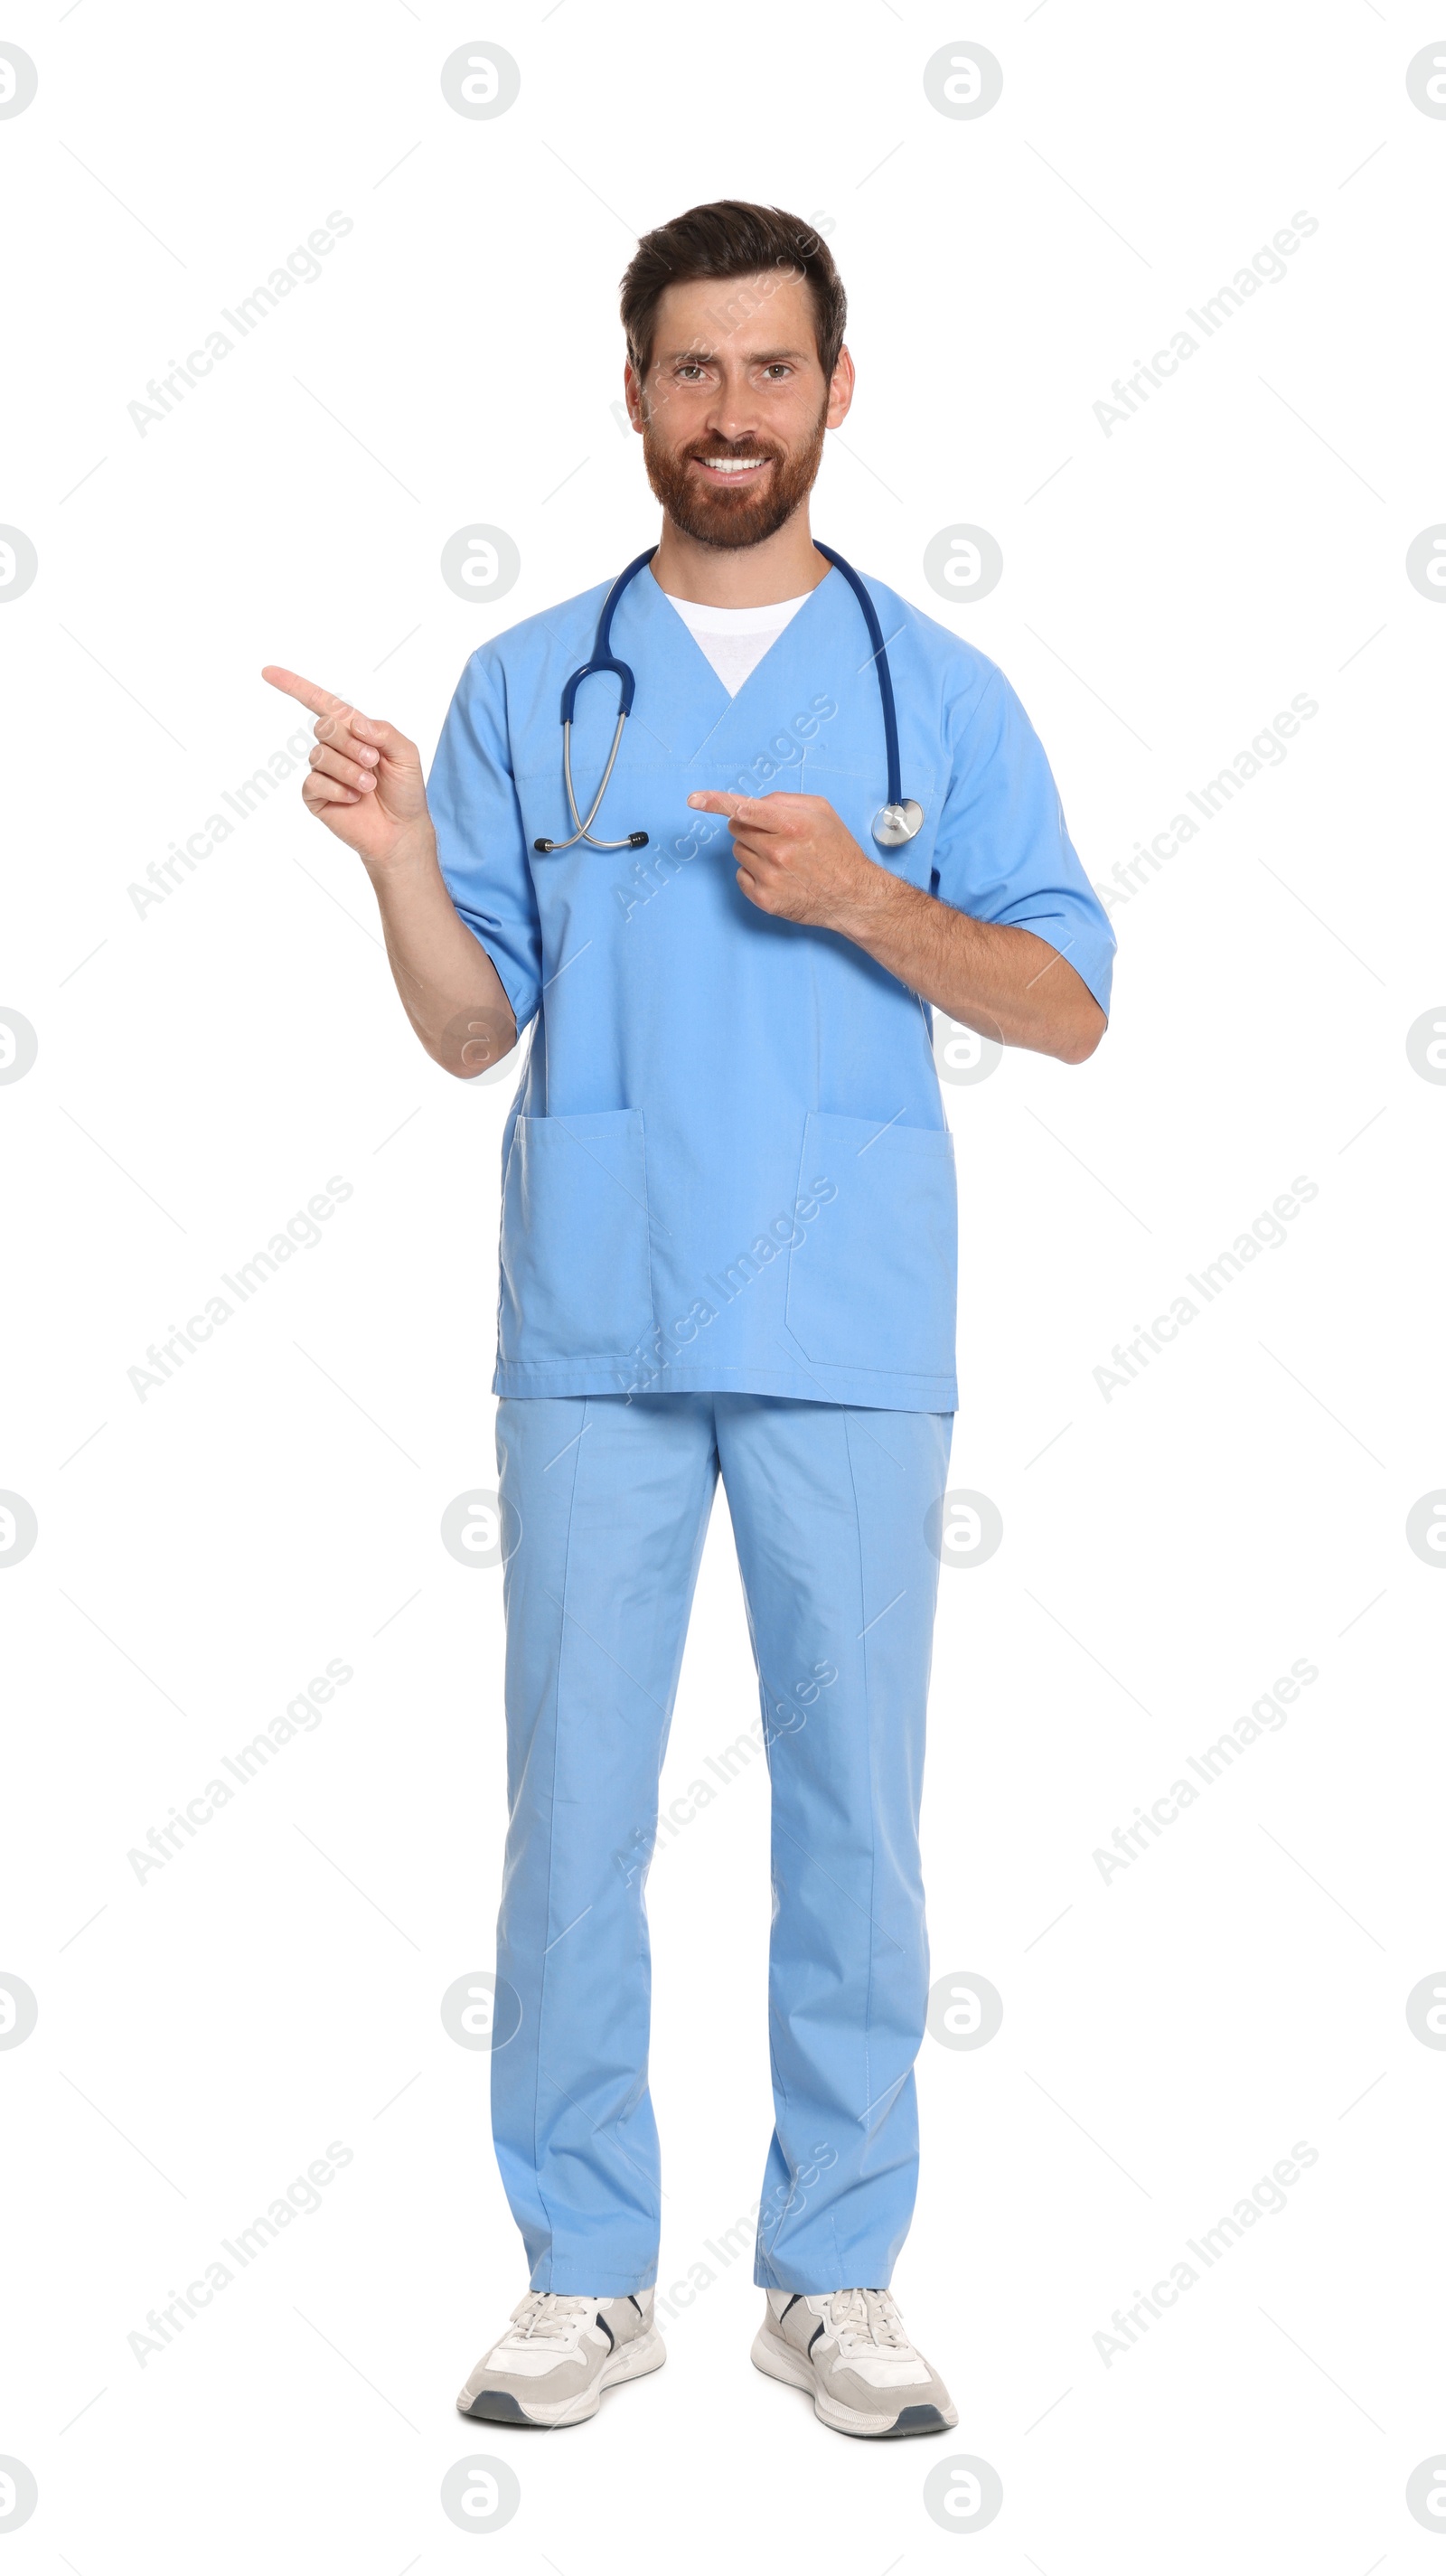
x=552, y=1839
x=873, y=1803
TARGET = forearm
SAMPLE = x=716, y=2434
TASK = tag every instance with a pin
x=365, y=782
x=1001, y=981
x=449, y=987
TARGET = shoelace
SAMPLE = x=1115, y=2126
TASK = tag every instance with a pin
x=867, y=2317
x=547, y=2316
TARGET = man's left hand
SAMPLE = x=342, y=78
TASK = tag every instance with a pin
x=795, y=858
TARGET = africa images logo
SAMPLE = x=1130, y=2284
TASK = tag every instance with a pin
x=301, y=267
x=1266, y=268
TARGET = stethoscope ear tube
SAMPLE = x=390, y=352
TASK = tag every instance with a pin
x=583, y=832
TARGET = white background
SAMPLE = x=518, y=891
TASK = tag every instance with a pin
x=206, y=1066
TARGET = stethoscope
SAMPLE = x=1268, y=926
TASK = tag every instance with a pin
x=896, y=822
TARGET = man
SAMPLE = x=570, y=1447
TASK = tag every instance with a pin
x=728, y=1246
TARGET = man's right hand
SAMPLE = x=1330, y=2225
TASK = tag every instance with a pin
x=365, y=781
x=366, y=785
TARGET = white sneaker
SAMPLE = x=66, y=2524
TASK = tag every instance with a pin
x=850, y=2352
x=557, y=2357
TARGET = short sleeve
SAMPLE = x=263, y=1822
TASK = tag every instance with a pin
x=481, y=837
x=1002, y=852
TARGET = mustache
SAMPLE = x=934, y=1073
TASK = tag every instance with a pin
x=706, y=449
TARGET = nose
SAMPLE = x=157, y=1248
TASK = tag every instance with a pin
x=733, y=413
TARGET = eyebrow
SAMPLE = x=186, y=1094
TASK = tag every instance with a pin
x=752, y=358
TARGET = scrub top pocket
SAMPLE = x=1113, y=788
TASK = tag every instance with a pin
x=872, y=1283
x=576, y=1280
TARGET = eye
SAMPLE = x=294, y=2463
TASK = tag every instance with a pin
x=777, y=369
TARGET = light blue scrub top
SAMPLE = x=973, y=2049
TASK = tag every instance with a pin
x=727, y=1166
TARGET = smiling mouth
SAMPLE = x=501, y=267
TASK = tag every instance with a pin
x=732, y=469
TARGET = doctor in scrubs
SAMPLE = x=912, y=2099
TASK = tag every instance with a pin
x=728, y=1249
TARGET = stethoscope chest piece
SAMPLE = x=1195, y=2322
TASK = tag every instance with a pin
x=896, y=824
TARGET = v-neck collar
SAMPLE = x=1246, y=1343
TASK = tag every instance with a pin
x=732, y=697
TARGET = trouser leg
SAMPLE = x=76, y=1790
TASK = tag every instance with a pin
x=611, y=1500
x=829, y=1505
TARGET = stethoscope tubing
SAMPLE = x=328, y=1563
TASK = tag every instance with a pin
x=881, y=667
x=603, y=659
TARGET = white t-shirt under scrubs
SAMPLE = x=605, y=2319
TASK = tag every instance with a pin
x=735, y=640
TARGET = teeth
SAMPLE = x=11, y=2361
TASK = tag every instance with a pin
x=734, y=464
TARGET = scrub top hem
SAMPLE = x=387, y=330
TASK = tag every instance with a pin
x=874, y=1390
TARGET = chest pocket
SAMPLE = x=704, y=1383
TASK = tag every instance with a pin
x=873, y=1283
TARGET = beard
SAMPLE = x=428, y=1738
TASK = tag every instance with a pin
x=714, y=516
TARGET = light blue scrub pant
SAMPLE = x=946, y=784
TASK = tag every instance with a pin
x=611, y=1498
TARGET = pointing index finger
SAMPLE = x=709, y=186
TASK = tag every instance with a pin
x=721, y=801
x=291, y=684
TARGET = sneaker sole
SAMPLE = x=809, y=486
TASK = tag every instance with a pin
x=645, y=2353
x=779, y=2361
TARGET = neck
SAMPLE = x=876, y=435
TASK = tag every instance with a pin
x=783, y=566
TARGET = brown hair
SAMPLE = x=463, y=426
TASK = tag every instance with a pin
x=730, y=239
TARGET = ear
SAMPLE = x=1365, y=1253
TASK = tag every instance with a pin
x=633, y=396
x=840, y=391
